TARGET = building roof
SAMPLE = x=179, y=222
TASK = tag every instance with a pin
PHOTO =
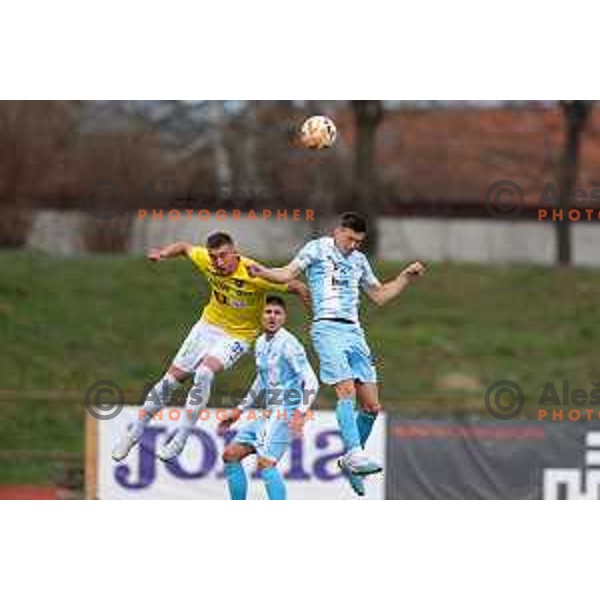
x=449, y=158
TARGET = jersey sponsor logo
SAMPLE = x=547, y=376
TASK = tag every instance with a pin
x=339, y=282
x=340, y=267
x=233, y=286
x=224, y=293
x=342, y=275
x=239, y=304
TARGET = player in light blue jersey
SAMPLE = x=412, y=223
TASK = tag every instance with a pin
x=336, y=271
x=285, y=386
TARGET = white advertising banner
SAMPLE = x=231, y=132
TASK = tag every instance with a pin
x=309, y=466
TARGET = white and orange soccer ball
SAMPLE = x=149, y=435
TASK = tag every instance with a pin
x=318, y=132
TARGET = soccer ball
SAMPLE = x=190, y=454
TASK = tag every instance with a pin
x=318, y=132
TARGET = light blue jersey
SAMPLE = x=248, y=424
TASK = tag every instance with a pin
x=284, y=382
x=334, y=279
x=282, y=366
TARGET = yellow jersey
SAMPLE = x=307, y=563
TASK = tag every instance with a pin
x=236, y=300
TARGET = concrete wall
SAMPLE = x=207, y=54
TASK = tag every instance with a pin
x=483, y=241
x=58, y=233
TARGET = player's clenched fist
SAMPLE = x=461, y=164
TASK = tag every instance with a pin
x=413, y=271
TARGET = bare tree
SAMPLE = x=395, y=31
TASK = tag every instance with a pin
x=576, y=114
x=128, y=161
x=250, y=136
x=35, y=136
x=222, y=162
x=367, y=117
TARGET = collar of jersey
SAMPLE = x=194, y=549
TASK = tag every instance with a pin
x=337, y=250
x=276, y=336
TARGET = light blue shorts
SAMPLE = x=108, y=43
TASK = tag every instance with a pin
x=343, y=352
x=270, y=436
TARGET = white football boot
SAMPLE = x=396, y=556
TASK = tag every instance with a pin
x=123, y=447
x=171, y=449
x=358, y=463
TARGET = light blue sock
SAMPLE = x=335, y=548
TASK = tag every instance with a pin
x=364, y=423
x=344, y=411
x=274, y=483
x=236, y=480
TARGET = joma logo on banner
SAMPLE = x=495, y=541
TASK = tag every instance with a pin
x=310, y=467
x=209, y=463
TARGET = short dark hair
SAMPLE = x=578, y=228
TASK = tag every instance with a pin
x=218, y=239
x=276, y=300
x=354, y=221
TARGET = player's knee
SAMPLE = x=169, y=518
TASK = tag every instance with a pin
x=345, y=389
x=177, y=374
x=371, y=408
x=212, y=364
x=203, y=374
x=264, y=463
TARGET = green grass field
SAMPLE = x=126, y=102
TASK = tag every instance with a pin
x=65, y=324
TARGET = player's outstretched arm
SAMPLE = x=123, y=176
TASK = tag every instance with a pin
x=382, y=294
x=276, y=275
x=170, y=251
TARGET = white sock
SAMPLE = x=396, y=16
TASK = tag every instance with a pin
x=157, y=397
x=197, y=399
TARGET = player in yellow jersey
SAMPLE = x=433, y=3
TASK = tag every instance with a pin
x=229, y=324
